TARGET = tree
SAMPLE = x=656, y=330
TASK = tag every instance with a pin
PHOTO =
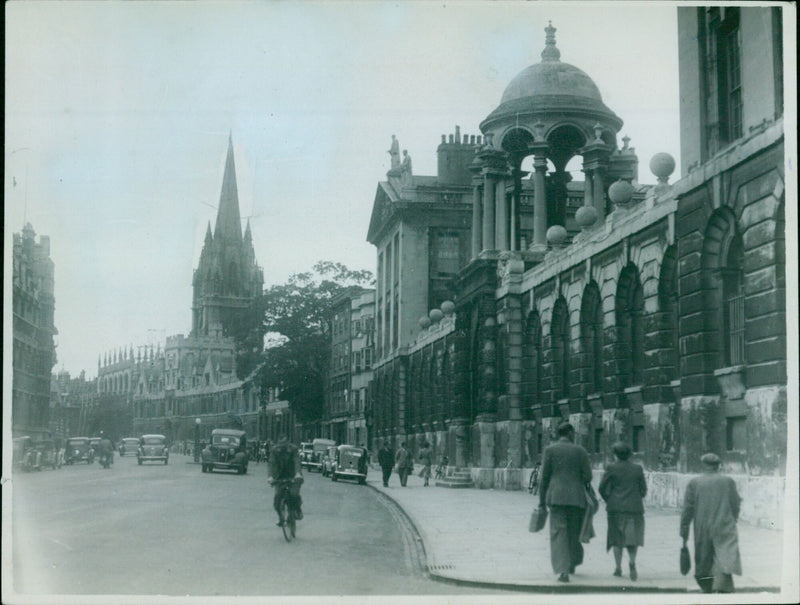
x=297, y=324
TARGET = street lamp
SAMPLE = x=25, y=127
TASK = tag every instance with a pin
x=197, y=440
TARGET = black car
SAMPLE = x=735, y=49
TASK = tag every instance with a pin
x=152, y=448
x=227, y=450
x=79, y=450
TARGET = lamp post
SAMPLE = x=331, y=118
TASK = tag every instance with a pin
x=197, y=440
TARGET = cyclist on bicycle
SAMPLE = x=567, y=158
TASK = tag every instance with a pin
x=284, y=464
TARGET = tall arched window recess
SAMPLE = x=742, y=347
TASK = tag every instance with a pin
x=592, y=337
x=630, y=326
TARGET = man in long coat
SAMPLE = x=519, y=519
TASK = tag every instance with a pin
x=404, y=463
x=712, y=503
x=566, y=470
x=386, y=460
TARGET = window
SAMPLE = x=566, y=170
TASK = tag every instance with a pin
x=638, y=438
x=630, y=326
x=733, y=304
x=560, y=338
x=367, y=359
x=592, y=337
x=736, y=433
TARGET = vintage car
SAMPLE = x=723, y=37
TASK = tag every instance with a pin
x=78, y=450
x=318, y=449
x=42, y=454
x=327, y=461
x=152, y=448
x=227, y=450
x=21, y=445
x=128, y=445
x=306, y=450
x=95, y=443
x=350, y=462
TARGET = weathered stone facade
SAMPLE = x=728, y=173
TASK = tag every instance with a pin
x=654, y=315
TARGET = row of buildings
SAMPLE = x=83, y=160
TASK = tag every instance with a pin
x=508, y=301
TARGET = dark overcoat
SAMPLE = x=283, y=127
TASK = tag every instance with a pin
x=622, y=487
x=566, y=470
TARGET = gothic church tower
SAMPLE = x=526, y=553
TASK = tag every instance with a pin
x=227, y=278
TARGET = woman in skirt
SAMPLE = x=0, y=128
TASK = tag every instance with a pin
x=623, y=487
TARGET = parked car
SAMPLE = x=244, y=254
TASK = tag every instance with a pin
x=306, y=450
x=128, y=445
x=21, y=445
x=318, y=449
x=152, y=448
x=327, y=461
x=227, y=450
x=95, y=443
x=350, y=462
x=79, y=450
x=46, y=454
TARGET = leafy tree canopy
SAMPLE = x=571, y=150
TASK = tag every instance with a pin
x=296, y=320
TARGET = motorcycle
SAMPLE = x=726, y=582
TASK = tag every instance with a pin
x=106, y=459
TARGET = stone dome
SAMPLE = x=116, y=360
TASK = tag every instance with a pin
x=552, y=86
x=551, y=78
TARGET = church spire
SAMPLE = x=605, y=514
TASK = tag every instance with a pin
x=229, y=224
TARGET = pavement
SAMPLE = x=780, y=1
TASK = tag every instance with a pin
x=480, y=537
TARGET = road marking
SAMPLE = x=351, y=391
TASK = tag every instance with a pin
x=61, y=544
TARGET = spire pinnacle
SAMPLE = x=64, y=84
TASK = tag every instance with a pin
x=229, y=224
x=550, y=52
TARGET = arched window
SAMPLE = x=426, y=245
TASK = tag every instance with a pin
x=560, y=338
x=733, y=303
x=668, y=305
x=532, y=363
x=592, y=337
x=630, y=326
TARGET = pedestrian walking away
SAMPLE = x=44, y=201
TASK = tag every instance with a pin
x=566, y=471
x=386, y=461
x=711, y=505
x=623, y=488
x=403, y=462
x=426, y=460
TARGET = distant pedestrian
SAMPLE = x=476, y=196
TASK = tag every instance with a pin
x=404, y=463
x=623, y=487
x=566, y=471
x=712, y=504
x=386, y=460
x=425, y=459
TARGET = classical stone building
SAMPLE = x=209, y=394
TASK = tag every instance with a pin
x=194, y=377
x=34, y=353
x=649, y=314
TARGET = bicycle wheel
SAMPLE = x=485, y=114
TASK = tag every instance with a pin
x=288, y=520
x=291, y=521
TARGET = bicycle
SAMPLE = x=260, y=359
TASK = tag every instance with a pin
x=533, y=482
x=286, y=509
x=441, y=469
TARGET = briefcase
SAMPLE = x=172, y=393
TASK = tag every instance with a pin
x=686, y=560
x=538, y=519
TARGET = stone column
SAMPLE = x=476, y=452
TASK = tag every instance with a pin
x=477, y=219
x=488, y=212
x=587, y=186
x=501, y=214
x=598, y=193
x=540, y=203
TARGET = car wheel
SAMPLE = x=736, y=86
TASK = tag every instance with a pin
x=139, y=460
x=166, y=461
x=244, y=470
x=333, y=476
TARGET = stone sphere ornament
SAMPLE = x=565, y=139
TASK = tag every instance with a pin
x=424, y=322
x=620, y=192
x=435, y=315
x=586, y=216
x=556, y=235
x=662, y=166
x=448, y=307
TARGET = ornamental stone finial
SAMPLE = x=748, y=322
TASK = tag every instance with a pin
x=550, y=52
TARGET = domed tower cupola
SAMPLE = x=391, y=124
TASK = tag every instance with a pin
x=551, y=111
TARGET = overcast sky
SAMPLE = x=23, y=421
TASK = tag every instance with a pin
x=117, y=120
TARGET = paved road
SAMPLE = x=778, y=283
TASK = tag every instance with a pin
x=172, y=530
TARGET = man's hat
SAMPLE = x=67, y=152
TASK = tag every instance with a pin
x=711, y=459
